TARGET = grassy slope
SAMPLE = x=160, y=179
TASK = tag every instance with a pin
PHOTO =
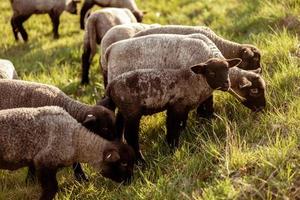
x=239, y=155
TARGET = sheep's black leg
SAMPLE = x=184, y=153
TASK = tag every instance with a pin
x=55, y=22
x=78, y=172
x=85, y=59
x=131, y=134
x=87, y=5
x=175, y=123
x=119, y=126
x=14, y=27
x=31, y=175
x=47, y=178
x=19, y=24
x=206, y=109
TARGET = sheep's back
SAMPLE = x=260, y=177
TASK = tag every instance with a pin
x=25, y=132
x=155, y=51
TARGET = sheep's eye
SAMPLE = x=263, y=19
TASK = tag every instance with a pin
x=124, y=164
x=254, y=91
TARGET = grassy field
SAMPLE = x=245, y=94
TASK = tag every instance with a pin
x=239, y=155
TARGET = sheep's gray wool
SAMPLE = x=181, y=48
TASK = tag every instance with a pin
x=49, y=138
x=98, y=24
x=129, y=4
x=249, y=54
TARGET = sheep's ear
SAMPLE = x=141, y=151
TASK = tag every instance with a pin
x=111, y=156
x=199, y=68
x=89, y=120
x=245, y=83
x=233, y=62
x=257, y=71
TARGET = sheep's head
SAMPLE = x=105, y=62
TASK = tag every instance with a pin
x=250, y=56
x=118, y=162
x=251, y=87
x=216, y=72
x=100, y=121
x=71, y=6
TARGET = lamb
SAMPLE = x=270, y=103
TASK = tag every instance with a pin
x=177, y=51
x=129, y=4
x=147, y=91
x=98, y=24
x=98, y=119
x=116, y=33
x=23, y=9
x=249, y=54
x=7, y=70
x=48, y=138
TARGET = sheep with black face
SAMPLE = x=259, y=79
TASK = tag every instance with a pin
x=97, y=119
x=48, y=138
x=148, y=91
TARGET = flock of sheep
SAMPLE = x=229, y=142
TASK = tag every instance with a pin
x=146, y=69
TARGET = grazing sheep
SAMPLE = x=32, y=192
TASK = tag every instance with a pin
x=48, y=138
x=129, y=4
x=171, y=51
x=7, y=70
x=148, y=91
x=98, y=119
x=249, y=54
x=23, y=9
x=98, y=24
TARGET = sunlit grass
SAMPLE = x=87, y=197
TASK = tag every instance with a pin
x=239, y=155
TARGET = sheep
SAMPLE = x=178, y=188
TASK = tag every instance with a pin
x=249, y=54
x=129, y=4
x=116, y=33
x=98, y=24
x=175, y=51
x=23, y=9
x=7, y=70
x=48, y=138
x=98, y=119
x=148, y=91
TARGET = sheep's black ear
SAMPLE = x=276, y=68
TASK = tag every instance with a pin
x=233, y=62
x=245, y=83
x=89, y=121
x=199, y=68
x=111, y=155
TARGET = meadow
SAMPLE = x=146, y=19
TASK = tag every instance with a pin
x=238, y=155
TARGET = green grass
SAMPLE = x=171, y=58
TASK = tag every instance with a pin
x=240, y=155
